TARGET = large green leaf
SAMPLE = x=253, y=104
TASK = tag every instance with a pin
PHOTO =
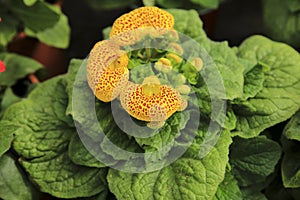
x=291, y=130
x=17, y=67
x=228, y=189
x=8, y=26
x=29, y=2
x=281, y=19
x=253, y=83
x=207, y=3
x=189, y=177
x=105, y=139
x=13, y=181
x=109, y=5
x=183, y=20
x=42, y=20
x=42, y=135
x=9, y=98
x=6, y=135
x=57, y=35
x=290, y=167
x=229, y=75
x=253, y=159
x=279, y=98
x=80, y=155
x=200, y=5
x=36, y=17
x=249, y=194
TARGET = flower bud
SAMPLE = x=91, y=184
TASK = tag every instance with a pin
x=174, y=57
x=183, y=89
x=197, y=63
x=164, y=65
x=176, y=48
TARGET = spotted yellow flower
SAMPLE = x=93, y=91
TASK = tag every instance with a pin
x=149, y=18
x=151, y=101
x=107, y=72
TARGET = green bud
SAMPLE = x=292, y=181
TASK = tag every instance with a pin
x=183, y=89
x=197, y=63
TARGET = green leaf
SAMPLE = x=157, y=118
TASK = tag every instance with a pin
x=167, y=134
x=109, y=5
x=13, y=181
x=281, y=20
x=8, y=27
x=228, y=66
x=230, y=119
x=183, y=20
x=42, y=135
x=81, y=156
x=276, y=190
x=294, y=5
x=149, y=2
x=6, y=135
x=291, y=130
x=17, y=67
x=57, y=35
x=249, y=194
x=139, y=71
x=228, y=189
x=253, y=159
x=29, y=2
x=106, y=32
x=36, y=17
x=200, y=5
x=61, y=178
x=189, y=177
x=95, y=117
x=279, y=98
x=253, y=82
x=8, y=99
x=170, y=4
x=290, y=167
x=207, y=3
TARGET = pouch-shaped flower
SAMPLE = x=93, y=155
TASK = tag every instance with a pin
x=132, y=26
x=151, y=101
x=107, y=71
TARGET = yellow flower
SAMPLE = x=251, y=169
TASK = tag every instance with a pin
x=125, y=27
x=107, y=72
x=151, y=101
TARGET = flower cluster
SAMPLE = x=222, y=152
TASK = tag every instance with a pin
x=108, y=73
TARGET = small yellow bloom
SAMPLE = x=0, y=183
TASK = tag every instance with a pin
x=107, y=71
x=164, y=65
x=125, y=27
x=176, y=48
x=151, y=101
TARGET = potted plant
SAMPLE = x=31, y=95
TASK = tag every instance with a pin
x=157, y=110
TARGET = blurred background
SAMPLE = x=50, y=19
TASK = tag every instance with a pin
x=233, y=21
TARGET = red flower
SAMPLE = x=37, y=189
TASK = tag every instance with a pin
x=2, y=66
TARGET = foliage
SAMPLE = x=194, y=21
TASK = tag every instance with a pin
x=37, y=19
x=281, y=20
x=43, y=137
